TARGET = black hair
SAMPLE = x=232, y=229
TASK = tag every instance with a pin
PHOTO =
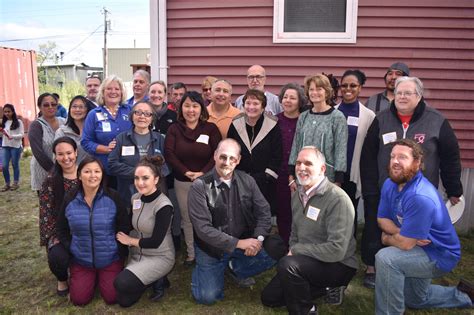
x=41, y=98
x=56, y=173
x=302, y=100
x=179, y=85
x=335, y=88
x=197, y=98
x=56, y=95
x=155, y=163
x=70, y=121
x=15, y=124
x=357, y=73
x=91, y=159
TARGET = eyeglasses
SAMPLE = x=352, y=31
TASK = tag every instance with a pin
x=407, y=93
x=253, y=77
x=224, y=158
x=206, y=90
x=48, y=105
x=352, y=85
x=142, y=113
x=78, y=107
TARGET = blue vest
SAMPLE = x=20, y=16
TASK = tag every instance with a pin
x=93, y=242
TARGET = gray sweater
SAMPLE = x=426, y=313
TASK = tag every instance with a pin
x=330, y=237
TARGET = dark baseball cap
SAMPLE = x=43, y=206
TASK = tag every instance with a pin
x=399, y=66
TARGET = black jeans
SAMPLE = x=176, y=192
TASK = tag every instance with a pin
x=371, y=241
x=300, y=279
x=351, y=189
x=58, y=261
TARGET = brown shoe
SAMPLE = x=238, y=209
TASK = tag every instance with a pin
x=466, y=287
x=5, y=188
x=14, y=186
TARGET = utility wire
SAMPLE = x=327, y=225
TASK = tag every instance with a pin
x=84, y=40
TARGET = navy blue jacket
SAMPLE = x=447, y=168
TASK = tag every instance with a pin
x=90, y=233
x=123, y=166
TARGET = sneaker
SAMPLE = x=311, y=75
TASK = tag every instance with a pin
x=243, y=283
x=369, y=280
x=335, y=295
x=313, y=310
x=5, y=188
x=466, y=287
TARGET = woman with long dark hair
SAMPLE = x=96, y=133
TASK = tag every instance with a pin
x=12, y=132
x=62, y=178
x=87, y=224
x=150, y=242
x=76, y=116
x=41, y=137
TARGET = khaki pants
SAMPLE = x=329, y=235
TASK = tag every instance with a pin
x=182, y=190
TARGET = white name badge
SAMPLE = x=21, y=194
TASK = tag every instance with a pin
x=106, y=126
x=313, y=213
x=353, y=121
x=100, y=116
x=389, y=137
x=203, y=139
x=137, y=204
x=128, y=150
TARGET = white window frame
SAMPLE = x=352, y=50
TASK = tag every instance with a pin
x=347, y=37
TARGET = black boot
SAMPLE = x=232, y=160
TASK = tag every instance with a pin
x=159, y=288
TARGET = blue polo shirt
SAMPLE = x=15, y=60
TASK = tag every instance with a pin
x=101, y=128
x=420, y=213
x=131, y=100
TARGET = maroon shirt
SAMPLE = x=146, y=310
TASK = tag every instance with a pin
x=191, y=149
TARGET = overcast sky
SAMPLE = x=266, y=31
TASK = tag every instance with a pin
x=77, y=27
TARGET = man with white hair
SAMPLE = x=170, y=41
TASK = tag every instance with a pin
x=322, y=245
x=256, y=78
x=141, y=80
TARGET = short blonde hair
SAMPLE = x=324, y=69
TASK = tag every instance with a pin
x=320, y=80
x=105, y=83
x=208, y=81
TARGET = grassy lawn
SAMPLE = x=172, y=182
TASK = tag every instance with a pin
x=27, y=286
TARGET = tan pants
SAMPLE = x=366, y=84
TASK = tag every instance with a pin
x=182, y=190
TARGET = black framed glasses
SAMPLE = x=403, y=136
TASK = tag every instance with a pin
x=142, y=113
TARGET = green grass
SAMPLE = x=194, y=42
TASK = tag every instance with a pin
x=27, y=286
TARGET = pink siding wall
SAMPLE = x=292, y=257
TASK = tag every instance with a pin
x=434, y=37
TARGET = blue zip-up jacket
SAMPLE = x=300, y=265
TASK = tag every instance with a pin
x=122, y=164
x=89, y=233
x=101, y=128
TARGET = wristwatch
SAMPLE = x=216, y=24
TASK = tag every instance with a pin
x=260, y=238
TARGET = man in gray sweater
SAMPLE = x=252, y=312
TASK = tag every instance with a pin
x=322, y=245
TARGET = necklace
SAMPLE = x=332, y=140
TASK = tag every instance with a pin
x=112, y=112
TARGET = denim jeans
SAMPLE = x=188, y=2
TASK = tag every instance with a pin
x=404, y=278
x=207, y=284
x=13, y=155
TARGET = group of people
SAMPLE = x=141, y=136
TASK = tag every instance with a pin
x=298, y=156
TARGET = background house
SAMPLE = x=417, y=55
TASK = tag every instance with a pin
x=192, y=39
x=59, y=74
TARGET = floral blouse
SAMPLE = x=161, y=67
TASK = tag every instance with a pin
x=47, y=212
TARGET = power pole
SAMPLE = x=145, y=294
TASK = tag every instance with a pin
x=105, y=12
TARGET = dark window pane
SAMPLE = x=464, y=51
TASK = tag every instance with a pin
x=315, y=16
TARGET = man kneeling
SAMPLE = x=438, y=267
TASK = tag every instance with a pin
x=231, y=219
x=322, y=244
x=422, y=243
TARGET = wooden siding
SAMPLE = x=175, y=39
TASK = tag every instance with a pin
x=434, y=37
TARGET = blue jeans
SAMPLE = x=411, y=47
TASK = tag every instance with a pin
x=11, y=154
x=207, y=284
x=404, y=278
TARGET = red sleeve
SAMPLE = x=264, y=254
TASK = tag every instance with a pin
x=171, y=141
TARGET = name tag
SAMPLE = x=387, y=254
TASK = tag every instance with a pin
x=389, y=137
x=100, y=116
x=313, y=213
x=137, y=204
x=106, y=126
x=128, y=150
x=203, y=139
x=353, y=121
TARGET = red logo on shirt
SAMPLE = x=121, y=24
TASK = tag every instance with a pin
x=419, y=138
